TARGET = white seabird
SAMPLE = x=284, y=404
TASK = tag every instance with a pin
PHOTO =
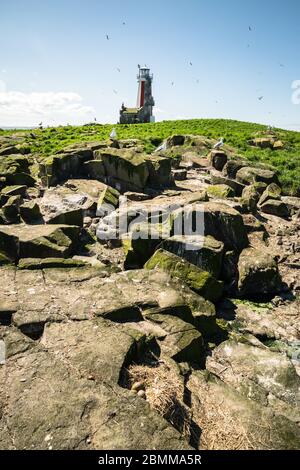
x=113, y=134
x=219, y=144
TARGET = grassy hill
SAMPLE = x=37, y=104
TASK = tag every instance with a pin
x=236, y=134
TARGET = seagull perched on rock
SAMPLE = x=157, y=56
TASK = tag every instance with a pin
x=219, y=144
x=162, y=147
x=113, y=134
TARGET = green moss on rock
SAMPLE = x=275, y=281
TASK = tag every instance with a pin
x=198, y=280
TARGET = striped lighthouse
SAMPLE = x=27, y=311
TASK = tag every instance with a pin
x=145, y=102
x=145, y=99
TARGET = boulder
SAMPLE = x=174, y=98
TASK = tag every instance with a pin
x=249, y=175
x=72, y=196
x=108, y=201
x=251, y=195
x=86, y=410
x=275, y=207
x=140, y=244
x=57, y=168
x=126, y=166
x=160, y=174
x=11, y=210
x=292, y=203
x=73, y=217
x=116, y=224
x=204, y=252
x=220, y=191
x=30, y=212
x=15, y=169
x=192, y=159
x=258, y=273
x=278, y=145
x=202, y=282
x=210, y=218
x=39, y=263
x=84, y=149
x=16, y=190
x=273, y=191
x=38, y=241
x=180, y=174
x=263, y=142
x=233, y=166
x=220, y=410
x=258, y=374
x=218, y=159
x=217, y=179
x=182, y=341
x=9, y=245
x=94, y=169
x=175, y=140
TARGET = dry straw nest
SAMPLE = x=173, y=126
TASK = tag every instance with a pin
x=164, y=392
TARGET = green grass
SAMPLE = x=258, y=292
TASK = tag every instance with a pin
x=236, y=134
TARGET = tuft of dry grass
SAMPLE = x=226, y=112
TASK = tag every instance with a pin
x=164, y=393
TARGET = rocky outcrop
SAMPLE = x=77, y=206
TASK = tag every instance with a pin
x=216, y=219
x=220, y=191
x=218, y=159
x=204, y=252
x=39, y=241
x=197, y=279
x=275, y=207
x=161, y=309
x=250, y=175
x=273, y=191
x=258, y=273
x=15, y=170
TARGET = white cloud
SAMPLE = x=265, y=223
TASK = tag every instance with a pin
x=27, y=109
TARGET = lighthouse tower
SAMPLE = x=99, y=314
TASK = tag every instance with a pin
x=145, y=99
x=145, y=102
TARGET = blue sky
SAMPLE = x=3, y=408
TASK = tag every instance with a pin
x=56, y=65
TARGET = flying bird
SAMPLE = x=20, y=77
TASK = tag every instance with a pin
x=107, y=37
x=115, y=92
x=123, y=23
x=119, y=70
x=191, y=63
x=219, y=144
x=281, y=65
x=172, y=83
x=260, y=98
x=250, y=29
x=198, y=81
